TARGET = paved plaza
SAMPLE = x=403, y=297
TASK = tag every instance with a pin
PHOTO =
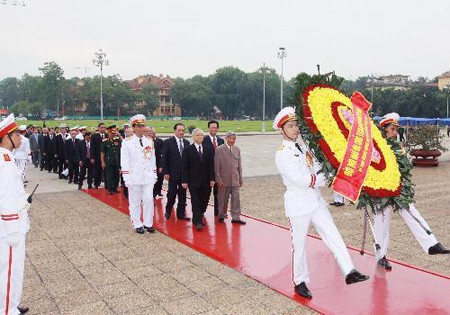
x=84, y=258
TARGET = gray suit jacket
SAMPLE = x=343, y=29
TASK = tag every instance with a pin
x=227, y=166
x=34, y=144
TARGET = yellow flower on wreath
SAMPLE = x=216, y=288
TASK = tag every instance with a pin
x=323, y=112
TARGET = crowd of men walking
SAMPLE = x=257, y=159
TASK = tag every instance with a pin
x=208, y=164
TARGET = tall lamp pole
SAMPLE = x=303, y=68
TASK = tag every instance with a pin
x=281, y=54
x=100, y=61
x=264, y=69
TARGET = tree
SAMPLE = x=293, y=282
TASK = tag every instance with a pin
x=9, y=92
x=148, y=95
x=52, y=85
x=194, y=95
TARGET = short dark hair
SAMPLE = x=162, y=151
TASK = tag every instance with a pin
x=101, y=124
x=176, y=125
x=88, y=134
x=213, y=122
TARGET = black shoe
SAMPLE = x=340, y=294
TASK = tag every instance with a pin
x=438, y=249
x=221, y=220
x=339, y=204
x=140, y=230
x=239, y=222
x=199, y=226
x=302, y=290
x=355, y=276
x=89, y=186
x=149, y=229
x=70, y=182
x=60, y=176
x=96, y=186
x=23, y=310
x=167, y=215
x=79, y=187
x=333, y=203
x=184, y=218
x=383, y=262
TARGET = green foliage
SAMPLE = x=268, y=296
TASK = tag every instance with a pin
x=425, y=137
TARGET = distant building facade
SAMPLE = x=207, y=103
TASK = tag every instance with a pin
x=164, y=84
x=444, y=81
x=393, y=81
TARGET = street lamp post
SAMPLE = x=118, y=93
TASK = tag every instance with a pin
x=263, y=69
x=281, y=54
x=100, y=61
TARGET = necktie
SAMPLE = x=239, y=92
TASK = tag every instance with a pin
x=140, y=141
x=200, y=153
x=214, y=143
x=181, y=147
x=298, y=147
x=88, y=151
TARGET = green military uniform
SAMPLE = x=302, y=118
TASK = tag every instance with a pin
x=111, y=151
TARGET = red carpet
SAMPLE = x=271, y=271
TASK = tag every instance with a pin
x=262, y=251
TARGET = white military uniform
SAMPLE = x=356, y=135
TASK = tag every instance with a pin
x=14, y=225
x=304, y=204
x=381, y=227
x=23, y=156
x=138, y=165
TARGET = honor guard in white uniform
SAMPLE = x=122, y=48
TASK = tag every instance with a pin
x=304, y=203
x=415, y=222
x=22, y=154
x=138, y=163
x=14, y=222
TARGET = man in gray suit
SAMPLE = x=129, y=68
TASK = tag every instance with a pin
x=35, y=146
x=228, y=170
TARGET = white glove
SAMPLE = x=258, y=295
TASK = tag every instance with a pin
x=13, y=239
x=320, y=180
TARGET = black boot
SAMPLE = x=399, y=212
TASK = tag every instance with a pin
x=438, y=249
x=355, y=276
x=383, y=262
x=302, y=290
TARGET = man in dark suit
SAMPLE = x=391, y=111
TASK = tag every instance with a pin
x=198, y=175
x=96, y=146
x=72, y=151
x=60, y=151
x=49, y=150
x=35, y=146
x=158, y=143
x=213, y=141
x=171, y=162
x=86, y=167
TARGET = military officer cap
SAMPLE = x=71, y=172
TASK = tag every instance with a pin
x=82, y=127
x=22, y=128
x=7, y=125
x=285, y=115
x=138, y=119
x=391, y=118
x=111, y=127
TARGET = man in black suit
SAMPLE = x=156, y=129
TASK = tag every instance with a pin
x=49, y=151
x=213, y=141
x=96, y=146
x=171, y=162
x=198, y=175
x=86, y=167
x=72, y=151
x=158, y=143
x=60, y=156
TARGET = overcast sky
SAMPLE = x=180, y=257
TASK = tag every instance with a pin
x=183, y=38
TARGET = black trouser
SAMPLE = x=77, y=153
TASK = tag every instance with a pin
x=50, y=163
x=61, y=164
x=112, y=177
x=175, y=189
x=158, y=185
x=199, y=201
x=88, y=169
x=74, y=171
x=98, y=173
x=42, y=161
x=35, y=156
x=216, y=200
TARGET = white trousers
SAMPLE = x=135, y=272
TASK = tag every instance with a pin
x=141, y=195
x=324, y=225
x=338, y=198
x=12, y=260
x=381, y=227
x=22, y=165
